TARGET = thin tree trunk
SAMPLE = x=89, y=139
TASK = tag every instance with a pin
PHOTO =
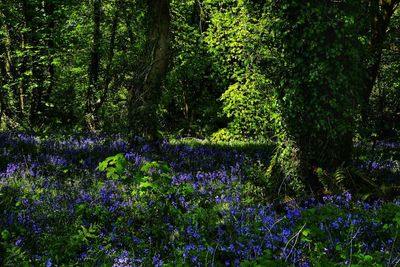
x=49, y=9
x=107, y=73
x=94, y=68
x=9, y=71
x=383, y=12
x=27, y=10
x=9, y=66
x=3, y=80
x=130, y=33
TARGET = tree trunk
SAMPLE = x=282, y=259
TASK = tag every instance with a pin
x=94, y=68
x=9, y=66
x=49, y=8
x=107, y=73
x=317, y=79
x=27, y=11
x=383, y=11
x=325, y=153
x=7, y=69
x=144, y=97
x=3, y=81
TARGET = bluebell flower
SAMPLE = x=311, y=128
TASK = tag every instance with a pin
x=123, y=260
x=347, y=196
x=293, y=213
x=157, y=261
x=12, y=168
x=83, y=256
x=119, y=145
x=146, y=148
x=194, y=259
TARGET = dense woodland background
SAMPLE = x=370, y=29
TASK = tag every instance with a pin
x=79, y=62
x=314, y=76
x=199, y=133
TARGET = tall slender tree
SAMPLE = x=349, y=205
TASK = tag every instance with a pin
x=381, y=14
x=94, y=66
x=108, y=75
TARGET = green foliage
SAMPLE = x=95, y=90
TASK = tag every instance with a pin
x=289, y=71
x=189, y=99
x=46, y=57
x=247, y=104
x=151, y=177
x=351, y=250
x=265, y=260
x=225, y=135
x=255, y=69
x=283, y=171
x=235, y=39
x=115, y=166
x=154, y=177
x=349, y=179
x=13, y=255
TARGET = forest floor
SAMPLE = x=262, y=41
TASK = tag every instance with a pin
x=101, y=201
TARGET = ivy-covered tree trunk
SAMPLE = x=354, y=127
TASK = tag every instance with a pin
x=145, y=96
x=318, y=79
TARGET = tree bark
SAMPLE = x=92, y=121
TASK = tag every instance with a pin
x=94, y=67
x=49, y=8
x=325, y=153
x=26, y=42
x=145, y=96
x=107, y=72
x=3, y=81
x=9, y=72
x=383, y=11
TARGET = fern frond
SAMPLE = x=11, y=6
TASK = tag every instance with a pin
x=340, y=178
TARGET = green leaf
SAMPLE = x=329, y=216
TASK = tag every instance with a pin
x=102, y=165
x=5, y=234
x=145, y=185
x=306, y=232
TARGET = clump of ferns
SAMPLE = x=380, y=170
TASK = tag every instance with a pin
x=349, y=179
